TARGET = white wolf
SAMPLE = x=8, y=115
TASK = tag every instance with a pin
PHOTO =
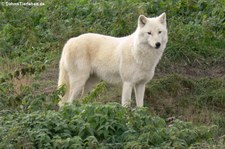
x=131, y=60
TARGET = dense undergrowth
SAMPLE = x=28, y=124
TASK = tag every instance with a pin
x=99, y=126
x=31, y=39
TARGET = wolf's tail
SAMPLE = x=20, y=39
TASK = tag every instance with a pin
x=63, y=77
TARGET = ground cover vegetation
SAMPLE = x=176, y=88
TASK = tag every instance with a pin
x=184, y=103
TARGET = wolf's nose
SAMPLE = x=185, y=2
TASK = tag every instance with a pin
x=158, y=44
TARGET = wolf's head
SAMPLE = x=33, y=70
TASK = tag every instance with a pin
x=152, y=31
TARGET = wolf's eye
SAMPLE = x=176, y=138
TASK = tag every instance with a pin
x=160, y=32
x=149, y=33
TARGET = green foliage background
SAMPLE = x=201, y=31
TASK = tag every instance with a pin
x=31, y=39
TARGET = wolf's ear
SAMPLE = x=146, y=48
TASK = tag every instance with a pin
x=162, y=18
x=142, y=20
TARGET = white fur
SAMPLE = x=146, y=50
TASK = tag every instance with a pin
x=131, y=60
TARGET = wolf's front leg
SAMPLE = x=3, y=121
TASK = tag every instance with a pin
x=126, y=95
x=139, y=93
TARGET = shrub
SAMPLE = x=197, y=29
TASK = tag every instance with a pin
x=96, y=125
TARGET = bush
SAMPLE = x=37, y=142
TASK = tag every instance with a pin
x=96, y=125
x=31, y=38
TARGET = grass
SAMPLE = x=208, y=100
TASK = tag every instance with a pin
x=99, y=126
x=200, y=100
x=188, y=84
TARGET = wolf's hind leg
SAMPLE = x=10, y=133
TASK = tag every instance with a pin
x=77, y=83
x=90, y=84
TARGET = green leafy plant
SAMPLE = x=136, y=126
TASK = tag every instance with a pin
x=31, y=39
x=96, y=125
